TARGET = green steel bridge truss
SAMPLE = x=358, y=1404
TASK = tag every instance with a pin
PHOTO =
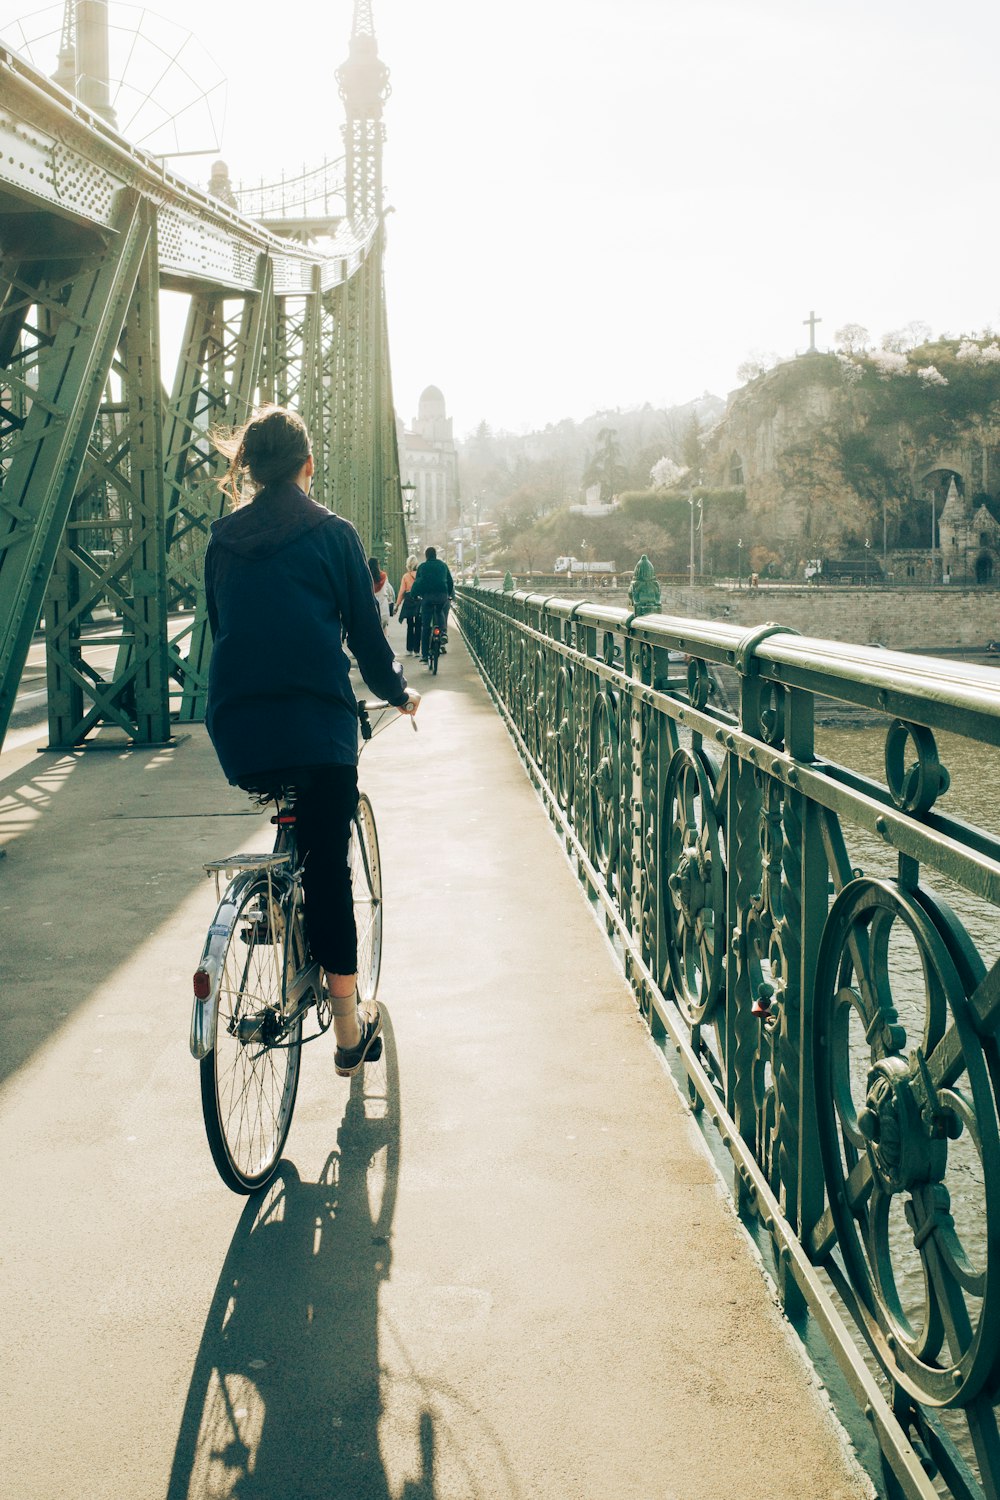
x=840, y=1027
x=108, y=475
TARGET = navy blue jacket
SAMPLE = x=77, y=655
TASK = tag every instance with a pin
x=284, y=579
x=434, y=580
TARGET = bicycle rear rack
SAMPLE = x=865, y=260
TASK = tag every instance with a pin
x=239, y=864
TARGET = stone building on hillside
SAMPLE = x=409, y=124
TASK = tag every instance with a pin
x=428, y=459
x=969, y=540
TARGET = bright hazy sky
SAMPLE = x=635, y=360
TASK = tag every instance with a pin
x=605, y=202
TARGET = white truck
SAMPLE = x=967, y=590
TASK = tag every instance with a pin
x=575, y=566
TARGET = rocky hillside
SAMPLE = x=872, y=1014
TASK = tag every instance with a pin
x=827, y=447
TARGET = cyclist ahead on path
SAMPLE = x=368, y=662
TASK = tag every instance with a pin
x=285, y=580
x=435, y=588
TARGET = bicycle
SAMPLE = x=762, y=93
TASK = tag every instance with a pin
x=434, y=648
x=256, y=985
x=437, y=636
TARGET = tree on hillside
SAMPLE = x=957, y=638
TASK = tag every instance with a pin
x=518, y=512
x=852, y=338
x=756, y=363
x=605, y=466
x=664, y=473
x=901, y=340
x=691, y=446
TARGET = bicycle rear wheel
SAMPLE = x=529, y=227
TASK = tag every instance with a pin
x=250, y=1077
x=366, y=882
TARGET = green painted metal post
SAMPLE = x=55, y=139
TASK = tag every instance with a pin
x=46, y=458
x=644, y=590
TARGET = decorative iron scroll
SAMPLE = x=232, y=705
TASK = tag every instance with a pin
x=839, y=1026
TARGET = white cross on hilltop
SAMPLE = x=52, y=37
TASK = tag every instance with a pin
x=811, y=322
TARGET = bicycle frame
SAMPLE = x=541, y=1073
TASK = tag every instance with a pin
x=283, y=893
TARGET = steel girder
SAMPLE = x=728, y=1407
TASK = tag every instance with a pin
x=218, y=382
x=53, y=397
x=364, y=460
x=113, y=553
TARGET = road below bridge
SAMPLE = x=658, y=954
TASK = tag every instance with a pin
x=525, y=1282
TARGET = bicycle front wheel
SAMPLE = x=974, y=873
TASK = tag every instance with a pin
x=366, y=882
x=250, y=1077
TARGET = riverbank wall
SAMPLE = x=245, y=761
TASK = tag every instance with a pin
x=933, y=619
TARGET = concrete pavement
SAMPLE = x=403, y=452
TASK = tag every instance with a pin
x=510, y=1272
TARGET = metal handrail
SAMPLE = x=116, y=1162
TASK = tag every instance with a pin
x=308, y=194
x=840, y=1027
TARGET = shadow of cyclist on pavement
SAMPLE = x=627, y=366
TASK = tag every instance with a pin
x=285, y=1399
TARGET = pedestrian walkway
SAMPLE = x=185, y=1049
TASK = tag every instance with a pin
x=523, y=1283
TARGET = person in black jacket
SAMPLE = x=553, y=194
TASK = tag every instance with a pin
x=285, y=581
x=435, y=588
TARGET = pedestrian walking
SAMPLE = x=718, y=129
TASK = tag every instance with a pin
x=408, y=607
x=385, y=594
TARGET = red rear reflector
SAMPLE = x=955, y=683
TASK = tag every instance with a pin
x=284, y=820
x=202, y=984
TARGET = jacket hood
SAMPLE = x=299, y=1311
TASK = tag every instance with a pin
x=277, y=516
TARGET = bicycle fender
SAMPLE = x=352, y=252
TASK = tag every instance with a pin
x=205, y=1012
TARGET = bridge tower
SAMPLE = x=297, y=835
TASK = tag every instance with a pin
x=364, y=87
x=366, y=461
x=66, y=70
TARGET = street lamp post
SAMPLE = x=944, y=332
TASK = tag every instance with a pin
x=739, y=563
x=691, y=561
x=408, y=491
x=868, y=553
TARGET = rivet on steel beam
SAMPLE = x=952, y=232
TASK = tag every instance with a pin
x=881, y=825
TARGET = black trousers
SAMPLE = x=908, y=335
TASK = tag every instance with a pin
x=326, y=803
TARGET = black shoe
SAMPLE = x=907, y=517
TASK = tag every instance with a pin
x=424, y=660
x=443, y=651
x=347, y=1060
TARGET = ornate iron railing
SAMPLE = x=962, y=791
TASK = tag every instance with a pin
x=317, y=192
x=839, y=1026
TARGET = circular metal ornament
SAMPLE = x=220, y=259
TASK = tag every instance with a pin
x=915, y=787
x=563, y=737
x=605, y=779
x=771, y=713
x=906, y=1096
x=694, y=901
x=538, y=705
x=699, y=683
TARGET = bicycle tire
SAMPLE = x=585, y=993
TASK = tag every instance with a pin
x=366, y=885
x=248, y=1085
x=434, y=651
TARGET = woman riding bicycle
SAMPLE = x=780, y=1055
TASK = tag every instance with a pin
x=285, y=581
